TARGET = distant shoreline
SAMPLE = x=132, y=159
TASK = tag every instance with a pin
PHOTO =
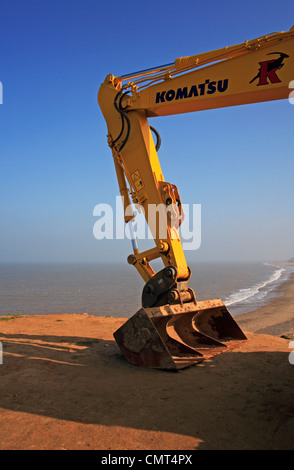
x=275, y=318
x=269, y=318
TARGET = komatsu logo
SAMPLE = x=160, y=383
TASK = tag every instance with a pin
x=267, y=72
x=206, y=88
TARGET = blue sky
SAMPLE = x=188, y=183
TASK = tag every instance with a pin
x=56, y=165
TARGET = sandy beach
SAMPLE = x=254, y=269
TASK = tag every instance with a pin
x=65, y=385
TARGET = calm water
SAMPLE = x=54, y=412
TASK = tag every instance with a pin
x=116, y=290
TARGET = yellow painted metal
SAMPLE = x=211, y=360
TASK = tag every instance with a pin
x=176, y=95
x=225, y=77
x=174, y=335
x=139, y=157
x=233, y=51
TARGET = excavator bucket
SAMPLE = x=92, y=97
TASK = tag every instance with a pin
x=173, y=337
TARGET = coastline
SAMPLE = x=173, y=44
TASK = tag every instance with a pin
x=277, y=317
x=66, y=386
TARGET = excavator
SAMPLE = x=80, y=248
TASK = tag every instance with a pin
x=173, y=329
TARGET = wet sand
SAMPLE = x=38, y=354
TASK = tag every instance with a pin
x=65, y=385
x=276, y=318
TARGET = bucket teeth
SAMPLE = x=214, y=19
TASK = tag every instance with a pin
x=172, y=337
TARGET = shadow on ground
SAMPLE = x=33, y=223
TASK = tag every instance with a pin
x=238, y=400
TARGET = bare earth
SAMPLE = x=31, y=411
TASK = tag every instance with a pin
x=65, y=385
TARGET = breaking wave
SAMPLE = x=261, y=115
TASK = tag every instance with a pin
x=258, y=291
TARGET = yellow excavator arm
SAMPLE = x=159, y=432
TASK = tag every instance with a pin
x=184, y=330
x=255, y=71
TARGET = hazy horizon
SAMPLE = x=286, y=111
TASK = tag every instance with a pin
x=56, y=165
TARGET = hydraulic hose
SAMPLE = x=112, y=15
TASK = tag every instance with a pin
x=124, y=118
x=158, y=138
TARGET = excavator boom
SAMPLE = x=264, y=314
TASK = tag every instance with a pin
x=173, y=329
x=255, y=71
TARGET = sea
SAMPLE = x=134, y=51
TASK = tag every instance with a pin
x=115, y=290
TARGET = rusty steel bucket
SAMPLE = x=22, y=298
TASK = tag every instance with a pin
x=173, y=337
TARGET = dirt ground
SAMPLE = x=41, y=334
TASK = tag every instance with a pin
x=66, y=385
